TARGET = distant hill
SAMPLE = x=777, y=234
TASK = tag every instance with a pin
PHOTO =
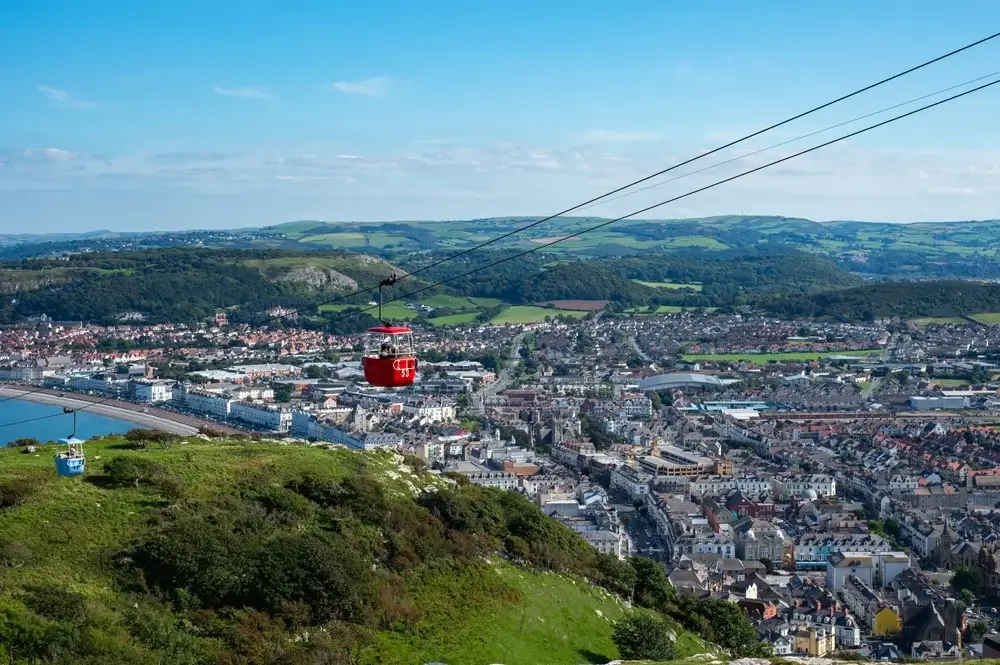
x=178, y=284
x=927, y=250
x=896, y=299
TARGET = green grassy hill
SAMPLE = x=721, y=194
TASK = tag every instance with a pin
x=232, y=551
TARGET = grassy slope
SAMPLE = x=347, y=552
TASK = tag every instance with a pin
x=74, y=523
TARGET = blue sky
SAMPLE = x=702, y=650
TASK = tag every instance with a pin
x=205, y=113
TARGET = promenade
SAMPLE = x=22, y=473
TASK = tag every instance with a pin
x=147, y=416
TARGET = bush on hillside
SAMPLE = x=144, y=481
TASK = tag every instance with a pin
x=13, y=554
x=16, y=492
x=128, y=470
x=644, y=636
x=24, y=442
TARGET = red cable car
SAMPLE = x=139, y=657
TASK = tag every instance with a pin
x=389, y=360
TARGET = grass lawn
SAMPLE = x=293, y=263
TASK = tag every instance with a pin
x=454, y=319
x=987, y=318
x=535, y=630
x=392, y=311
x=949, y=383
x=665, y=309
x=670, y=285
x=767, y=357
x=938, y=320
x=460, y=303
x=531, y=314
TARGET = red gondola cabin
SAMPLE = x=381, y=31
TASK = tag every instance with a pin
x=389, y=360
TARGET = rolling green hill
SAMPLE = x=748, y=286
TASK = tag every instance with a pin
x=231, y=551
x=180, y=284
x=939, y=250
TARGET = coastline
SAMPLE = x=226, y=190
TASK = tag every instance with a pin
x=153, y=418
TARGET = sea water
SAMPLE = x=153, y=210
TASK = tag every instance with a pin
x=53, y=424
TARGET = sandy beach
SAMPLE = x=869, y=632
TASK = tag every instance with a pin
x=153, y=418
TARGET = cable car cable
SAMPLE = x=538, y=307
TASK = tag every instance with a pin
x=794, y=140
x=63, y=413
x=844, y=137
x=658, y=173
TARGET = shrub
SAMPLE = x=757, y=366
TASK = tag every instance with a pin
x=56, y=603
x=16, y=491
x=24, y=442
x=133, y=471
x=643, y=636
x=13, y=554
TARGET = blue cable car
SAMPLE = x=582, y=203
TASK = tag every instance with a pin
x=71, y=462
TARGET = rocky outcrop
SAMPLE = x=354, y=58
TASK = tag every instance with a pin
x=318, y=278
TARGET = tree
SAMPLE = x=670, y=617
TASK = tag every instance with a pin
x=643, y=636
x=316, y=372
x=965, y=579
x=282, y=392
x=975, y=632
x=652, y=589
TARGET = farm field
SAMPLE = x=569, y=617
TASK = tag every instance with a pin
x=454, y=319
x=938, y=320
x=579, y=305
x=948, y=383
x=531, y=314
x=349, y=239
x=768, y=357
x=664, y=309
x=391, y=311
x=987, y=318
x=670, y=285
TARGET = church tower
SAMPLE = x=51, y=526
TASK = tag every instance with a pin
x=942, y=553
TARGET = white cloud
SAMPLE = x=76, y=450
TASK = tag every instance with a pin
x=54, y=154
x=611, y=135
x=249, y=92
x=952, y=191
x=439, y=181
x=377, y=86
x=64, y=98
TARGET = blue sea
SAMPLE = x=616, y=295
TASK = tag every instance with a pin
x=56, y=427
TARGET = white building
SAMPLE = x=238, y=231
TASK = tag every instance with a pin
x=435, y=411
x=814, y=548
x=637, y=406
x=630, y=480
x=151, y=392
x=604, y=542
x=785, y=487
x=212, y=405
x=877, y=569
x=498, y=479
x=711, y=543
x=383, y=440
x=752, y=486
x=260, y=416
x=842, y=565
x=308, y=426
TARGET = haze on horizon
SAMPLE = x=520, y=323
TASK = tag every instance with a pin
x=163, y=116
